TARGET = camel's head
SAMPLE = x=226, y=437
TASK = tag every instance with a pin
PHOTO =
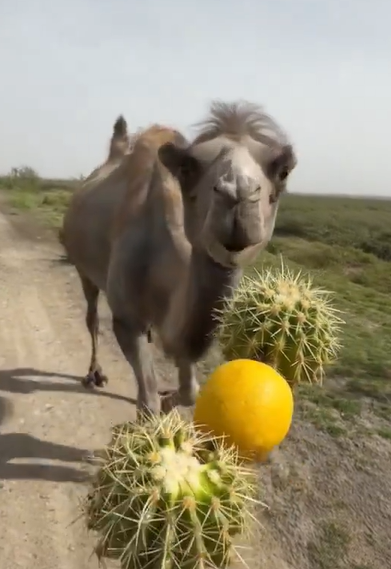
x=231, y=191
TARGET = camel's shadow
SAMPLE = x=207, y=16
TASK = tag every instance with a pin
x=18, y=380
x=16, y=446
x=25, y=446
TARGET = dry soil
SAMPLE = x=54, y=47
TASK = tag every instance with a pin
x=48, y=421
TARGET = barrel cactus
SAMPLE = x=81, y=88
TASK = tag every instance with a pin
x=167, y=496
x=281, y=319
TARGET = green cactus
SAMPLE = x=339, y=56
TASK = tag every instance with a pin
x=281, y=319
x=167, y=496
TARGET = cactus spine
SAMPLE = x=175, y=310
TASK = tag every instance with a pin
x=281, y=319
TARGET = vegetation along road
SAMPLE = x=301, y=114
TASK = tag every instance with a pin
x=328, y=486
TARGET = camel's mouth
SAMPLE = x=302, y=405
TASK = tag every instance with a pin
x=230, y=258
x=220, y=254
x=234, y=248
x=248, y=255
x=232, y=255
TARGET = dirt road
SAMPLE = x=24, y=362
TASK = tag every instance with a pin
x=48, y=422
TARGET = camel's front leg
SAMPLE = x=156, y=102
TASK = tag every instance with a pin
x=188, y=388
x=136, y=349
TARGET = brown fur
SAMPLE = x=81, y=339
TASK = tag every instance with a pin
x=139, y=164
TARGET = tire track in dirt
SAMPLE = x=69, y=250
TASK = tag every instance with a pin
x=49, y=421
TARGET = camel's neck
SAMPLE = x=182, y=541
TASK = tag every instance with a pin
x=207, y=285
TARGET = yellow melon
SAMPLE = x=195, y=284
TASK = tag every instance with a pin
x=250, y=403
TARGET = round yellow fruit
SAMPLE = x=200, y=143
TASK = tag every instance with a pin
x=248, y=402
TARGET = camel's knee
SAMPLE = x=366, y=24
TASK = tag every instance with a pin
x=91, y=294
x=92, y=319
x=133, y=341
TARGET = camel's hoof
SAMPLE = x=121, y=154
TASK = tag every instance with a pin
x=95, y=378
x=168, y=400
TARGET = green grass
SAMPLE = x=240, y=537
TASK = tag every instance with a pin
x=48, y=199
x=385, y=433
x=329, y=548
x=346, y=222
x=345, y=243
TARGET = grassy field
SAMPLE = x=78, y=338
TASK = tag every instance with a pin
x=345, y=244
x=47, y=199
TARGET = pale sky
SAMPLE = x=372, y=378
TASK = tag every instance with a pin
x=322, y=68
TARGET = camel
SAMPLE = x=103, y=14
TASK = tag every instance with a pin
x=165, y=233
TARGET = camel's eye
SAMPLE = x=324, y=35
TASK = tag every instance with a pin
x=284, y=174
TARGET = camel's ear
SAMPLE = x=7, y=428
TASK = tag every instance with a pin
x=282, y=163
x=179, y=162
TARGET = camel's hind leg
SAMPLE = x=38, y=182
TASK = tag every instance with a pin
x=95, y=375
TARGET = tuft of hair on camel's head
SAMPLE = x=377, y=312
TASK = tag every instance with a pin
x=119, y=144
